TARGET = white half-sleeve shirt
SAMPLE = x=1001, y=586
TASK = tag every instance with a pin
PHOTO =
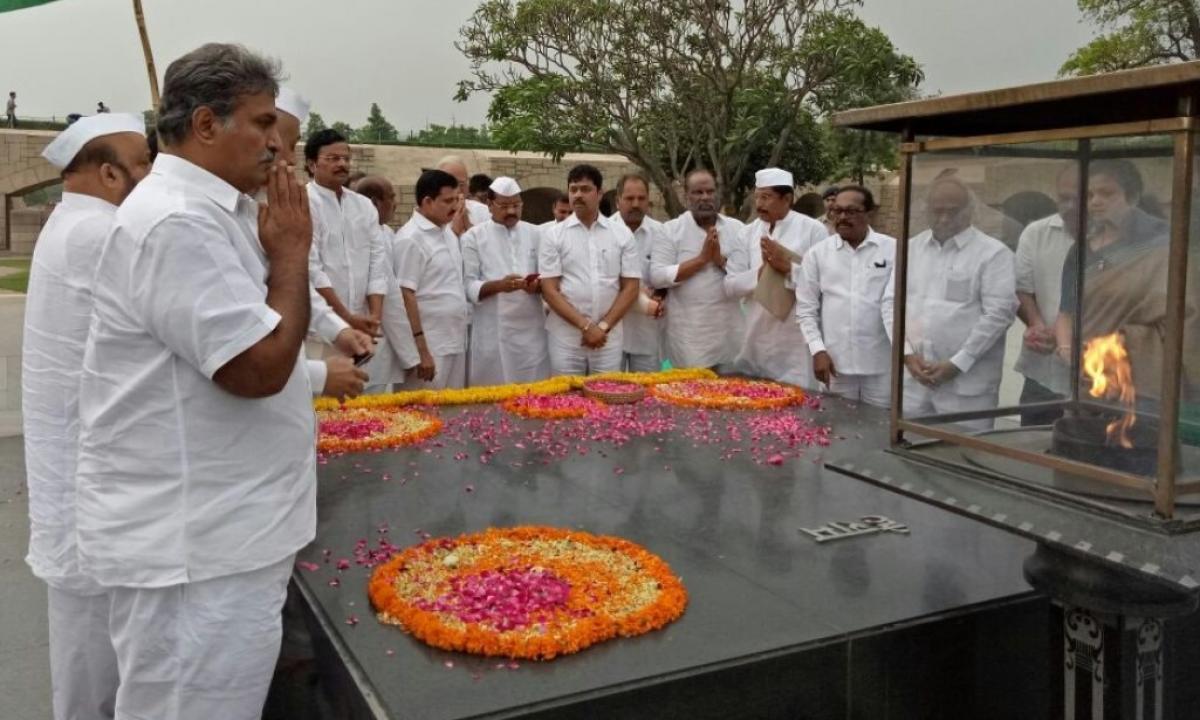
x=428, y=261
x=174, y=483
x=643, y=333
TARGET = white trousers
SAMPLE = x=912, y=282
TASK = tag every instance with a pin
x=83, y=664
x=201, y=650
x=870, y=389
x=568, y=357
x=921, y=400
x=450, y=371
x=637, y=362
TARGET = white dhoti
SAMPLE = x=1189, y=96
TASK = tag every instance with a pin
x=83, y=664
x=871, y=389
x=568, y=357
x=450, y=371
x=199, y=651
x=920, y=400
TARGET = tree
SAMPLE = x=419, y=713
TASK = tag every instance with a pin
x=345, y=130
x=378, y=129
x=453, y=136
x=315, y=124
x=675, y=84
x=1140, y=32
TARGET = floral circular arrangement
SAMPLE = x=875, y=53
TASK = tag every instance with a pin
x=552, y=407
x=614, y=392
x=728, y=394
x=526, y=592
x=354, y=429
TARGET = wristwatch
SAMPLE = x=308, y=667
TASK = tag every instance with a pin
x=604, y=326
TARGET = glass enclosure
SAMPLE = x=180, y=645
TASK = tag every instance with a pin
x=1051, y=318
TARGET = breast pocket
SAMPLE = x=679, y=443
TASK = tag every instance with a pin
x=608, y=262
x=958, y=287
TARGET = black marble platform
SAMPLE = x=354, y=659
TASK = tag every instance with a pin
x=937, y=623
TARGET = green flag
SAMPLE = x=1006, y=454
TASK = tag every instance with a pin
x=9, y=5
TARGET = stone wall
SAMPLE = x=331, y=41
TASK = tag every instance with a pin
x=12, y=315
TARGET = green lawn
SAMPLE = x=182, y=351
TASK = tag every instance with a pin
x=15, y=281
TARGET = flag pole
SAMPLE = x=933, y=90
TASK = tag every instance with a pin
x=141, y=25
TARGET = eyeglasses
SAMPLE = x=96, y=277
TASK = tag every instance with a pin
x=507, y=205
x=846, y=211
x=334, y=158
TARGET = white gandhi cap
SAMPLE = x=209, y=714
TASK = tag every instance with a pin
x=292, y=103
x=773, y=177
x=63, y=149
x=505, y=186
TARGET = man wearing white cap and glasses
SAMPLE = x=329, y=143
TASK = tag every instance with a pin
x=335, y=376
x=196, y=471
x=508, y=327
x=762, y=268
x=102, y=158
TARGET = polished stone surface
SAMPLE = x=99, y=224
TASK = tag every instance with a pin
x=760, y=591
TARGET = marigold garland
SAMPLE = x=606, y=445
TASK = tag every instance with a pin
x=499, y=393
x=728, y=394
x=526, y=592
x=355, y=429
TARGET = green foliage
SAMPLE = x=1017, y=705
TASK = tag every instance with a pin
x=1139, y=33
x=345, y=130
x=676, y=84
x=315, y=124
x=377, y=129
x=452, y=136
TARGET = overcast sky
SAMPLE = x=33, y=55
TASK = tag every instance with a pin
x=346, y=54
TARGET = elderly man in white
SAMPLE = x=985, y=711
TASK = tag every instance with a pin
x=428, y=263
x=762, y=268
x=336, y=374
x=961, y=301
x=470, y=212
x=688, y=260
x=844, y=286
x=508, y=327
x=193, y=366
x=101, y=158
x=644, y=324
x=590, y=275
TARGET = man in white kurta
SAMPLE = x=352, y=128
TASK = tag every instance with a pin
x=192, y=368
x=773, y=347
x=705, y=325
x=334, y=375
x=429, y=271
x=961, y=301
x=102, y=158
x=508, y=327
x=645, y=322
x=844, y=285
x=590, y=275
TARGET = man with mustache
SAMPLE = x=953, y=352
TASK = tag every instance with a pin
x=689, y=258
x=643, y=324
x=334, y=376
x=101, y=158
x=590, y=275
x=347, y=264
x=196, y=472
x=560, y=207
x=470, y=212
x=961, y=301
x=776, y=242
x=508, y=327
x=840, y=299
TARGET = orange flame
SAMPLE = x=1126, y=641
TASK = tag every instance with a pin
x=1106, y=362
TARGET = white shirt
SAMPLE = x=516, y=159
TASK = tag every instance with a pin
x=347, y=252
x=1041, y=252
x=642, y=332
x=590, y=262
x=508, y=329
x=428, y=261
x=704, y=322
x=58, y=307
x=179, y=480
x=961, y=301
x=840, y=296
x=773, y=348
x=478, y=213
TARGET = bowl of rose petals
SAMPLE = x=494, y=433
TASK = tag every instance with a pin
x=614, y=392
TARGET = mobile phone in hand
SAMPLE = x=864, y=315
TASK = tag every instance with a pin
x=363, y=359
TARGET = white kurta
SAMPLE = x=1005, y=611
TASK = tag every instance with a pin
x=174, y=483
x=478, y=213
x=1041, y=252
x=347, y=253
x=643, y=333
x=508, y=329
x=590, y=263
x=428, y=261
x=704, y=323
x=58, y=306
x=772, y=348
